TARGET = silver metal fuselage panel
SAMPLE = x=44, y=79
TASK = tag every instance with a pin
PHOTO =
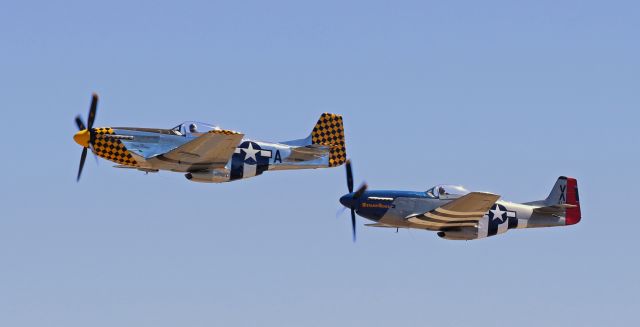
x=251, y=157
x=502, y=217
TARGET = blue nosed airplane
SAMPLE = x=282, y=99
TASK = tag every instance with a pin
x=208, y=153
x=457, y=214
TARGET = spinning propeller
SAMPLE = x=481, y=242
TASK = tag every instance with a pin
x=85, y=136
x=350, y=200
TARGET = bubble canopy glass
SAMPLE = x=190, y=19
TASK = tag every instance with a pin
x=446, y=192
x=193, y=127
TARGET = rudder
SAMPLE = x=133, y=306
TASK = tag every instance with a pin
x=329, y=131
x=565, y=191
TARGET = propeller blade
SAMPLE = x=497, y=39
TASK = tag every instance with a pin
x=360, y=191
x=349, y=176
x=356, y=195
x=95, y=156
x=82, y=159
x=92, y=111
x=353, y=224
x=80, y=123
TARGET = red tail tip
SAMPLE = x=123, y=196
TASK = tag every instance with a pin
x=573, y=215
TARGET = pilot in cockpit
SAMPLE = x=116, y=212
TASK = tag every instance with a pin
x=193, y=128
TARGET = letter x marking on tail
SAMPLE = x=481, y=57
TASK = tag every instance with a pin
x=563, y=189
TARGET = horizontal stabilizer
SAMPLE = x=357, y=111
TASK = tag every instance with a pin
x=308, y=153
x=557, y=209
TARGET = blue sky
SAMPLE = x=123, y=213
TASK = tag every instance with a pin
x=495, y=95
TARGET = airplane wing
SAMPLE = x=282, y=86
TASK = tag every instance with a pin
x=464, y=211
x=381, y=225
x=210, y=150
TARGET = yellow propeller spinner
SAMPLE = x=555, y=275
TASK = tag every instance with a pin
x=82, y=138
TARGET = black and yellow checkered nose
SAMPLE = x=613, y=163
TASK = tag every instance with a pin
x=110, y=148
x=82, y=138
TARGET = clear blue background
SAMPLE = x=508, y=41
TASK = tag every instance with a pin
x=502, y=96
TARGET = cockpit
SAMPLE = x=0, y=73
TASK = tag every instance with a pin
x=446, y=192
x=193, y=128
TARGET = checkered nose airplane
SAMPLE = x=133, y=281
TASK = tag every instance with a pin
x=457, y=214
x=207, y=153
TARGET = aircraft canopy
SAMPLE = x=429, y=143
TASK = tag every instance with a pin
x=446, y=192
x=193, y=127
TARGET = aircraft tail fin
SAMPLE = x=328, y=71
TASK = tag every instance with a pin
x=565, y=194
x=327, y=135
x=329, y=131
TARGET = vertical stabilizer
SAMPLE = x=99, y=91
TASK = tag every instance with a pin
x=565, y=191
x=329, y=131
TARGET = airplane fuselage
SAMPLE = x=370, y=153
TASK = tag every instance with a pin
x=144, y=149
x=208, y=153
x=391, y=209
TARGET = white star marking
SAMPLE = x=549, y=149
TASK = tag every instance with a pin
x=497, y=214
x=250, y=153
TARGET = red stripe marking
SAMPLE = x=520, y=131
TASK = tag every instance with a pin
x=573, y=215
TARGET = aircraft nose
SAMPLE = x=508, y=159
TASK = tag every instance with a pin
x=347, y=200
x=82, y=138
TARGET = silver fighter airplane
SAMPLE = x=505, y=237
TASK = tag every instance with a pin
x=207, y=153
x=457, y=214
